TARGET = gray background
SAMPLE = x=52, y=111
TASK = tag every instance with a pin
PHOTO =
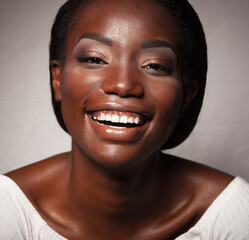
x=29, y=131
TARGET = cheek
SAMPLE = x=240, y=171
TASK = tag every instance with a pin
x=167, y=97
x=172, y=99
x=76, y=86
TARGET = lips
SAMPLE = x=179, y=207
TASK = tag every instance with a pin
x=116, y=114
x=117, y=122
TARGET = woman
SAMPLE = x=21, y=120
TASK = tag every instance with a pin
x=128, y=79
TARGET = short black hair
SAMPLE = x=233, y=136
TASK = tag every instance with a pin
x=193, y=57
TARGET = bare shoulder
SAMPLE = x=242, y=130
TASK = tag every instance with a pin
x=206, y=182
x=44, y=185
x=36, y=177
x=203, y=173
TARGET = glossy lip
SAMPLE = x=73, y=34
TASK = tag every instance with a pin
x=119, y=134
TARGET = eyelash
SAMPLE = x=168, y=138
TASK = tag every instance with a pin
x=151, y=65
x=91, y=60
x=158, y=68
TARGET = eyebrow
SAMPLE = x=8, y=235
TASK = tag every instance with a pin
x=97, y=37
x=145, y=44
x=156, y=44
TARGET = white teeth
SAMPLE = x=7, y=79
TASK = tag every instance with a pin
x=123, y=119
x=136, y=120
x=130, y=120
x=102, y=117
x=108, y=117
x=115, y=119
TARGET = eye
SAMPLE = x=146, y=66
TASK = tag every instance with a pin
x=157, y=66
x=158, y=69
x=91, y=60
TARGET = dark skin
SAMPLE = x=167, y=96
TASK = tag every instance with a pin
x=115, y=183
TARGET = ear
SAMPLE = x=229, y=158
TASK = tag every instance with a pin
x=190, y=89
x=56, y=82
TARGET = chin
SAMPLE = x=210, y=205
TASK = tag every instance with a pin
x=119, y=156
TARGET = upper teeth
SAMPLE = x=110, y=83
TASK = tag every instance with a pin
x=115, y=118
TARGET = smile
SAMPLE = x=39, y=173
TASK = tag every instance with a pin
x=118, y=119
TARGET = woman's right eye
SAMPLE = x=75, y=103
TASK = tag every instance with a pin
x=91, y=60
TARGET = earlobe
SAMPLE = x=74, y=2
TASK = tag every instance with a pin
x=56, y=82
x=190, y=89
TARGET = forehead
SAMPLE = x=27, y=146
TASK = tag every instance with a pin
x=125, y=21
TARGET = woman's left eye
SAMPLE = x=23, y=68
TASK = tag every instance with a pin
x=160, y=68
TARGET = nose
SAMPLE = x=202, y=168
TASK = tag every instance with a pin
x=123, y=83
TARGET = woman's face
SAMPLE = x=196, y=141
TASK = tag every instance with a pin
x=120, y=89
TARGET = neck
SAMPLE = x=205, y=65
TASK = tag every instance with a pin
x=112, y=193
